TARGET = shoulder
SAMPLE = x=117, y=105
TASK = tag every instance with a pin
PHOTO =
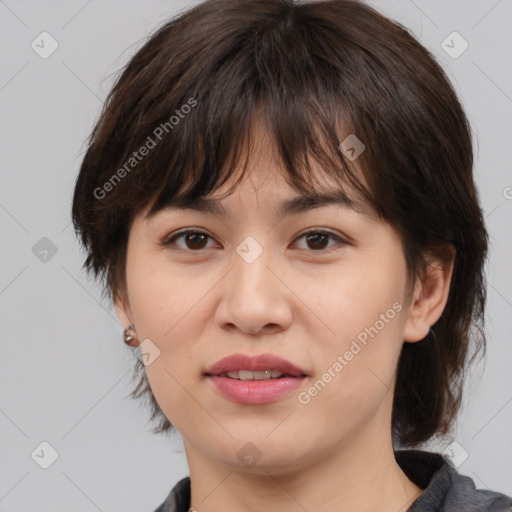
x=462, y=491
x=178, y=500
x=444, y=489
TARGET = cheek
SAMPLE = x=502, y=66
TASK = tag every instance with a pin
x=357, y=358
x=360, y=305
x=355, y=383
x=162, y=296
x=365, y=349
x=168, y=310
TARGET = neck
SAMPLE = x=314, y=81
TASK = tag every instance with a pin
x=362, y=475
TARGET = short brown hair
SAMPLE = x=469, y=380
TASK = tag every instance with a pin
x=308, y=68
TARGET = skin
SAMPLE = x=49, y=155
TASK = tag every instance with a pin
x=200, y=301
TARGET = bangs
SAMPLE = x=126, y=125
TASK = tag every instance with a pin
x=303, y=159
x=267, y=76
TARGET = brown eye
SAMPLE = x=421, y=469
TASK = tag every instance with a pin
x=195, y=241
x=317, y=241
x=192, y=240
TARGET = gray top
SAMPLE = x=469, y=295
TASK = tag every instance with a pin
x=445, y=490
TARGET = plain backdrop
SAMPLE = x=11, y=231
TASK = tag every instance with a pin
x=65, y=372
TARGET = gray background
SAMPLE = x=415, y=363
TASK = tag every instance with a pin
x=65, y=372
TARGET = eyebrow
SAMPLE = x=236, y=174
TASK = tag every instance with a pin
x=294, y=205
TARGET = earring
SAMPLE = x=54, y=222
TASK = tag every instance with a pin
x=130, y=336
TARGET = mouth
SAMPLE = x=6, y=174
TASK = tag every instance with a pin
x=254, y=379
x=257, y=375
x=250, y=367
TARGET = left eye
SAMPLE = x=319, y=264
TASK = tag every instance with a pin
x=196, y=240
x=319, y=239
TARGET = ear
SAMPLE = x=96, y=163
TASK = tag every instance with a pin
x=123, y=310
x=429, y=297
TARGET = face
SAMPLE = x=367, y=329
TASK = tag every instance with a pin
x=322, y=288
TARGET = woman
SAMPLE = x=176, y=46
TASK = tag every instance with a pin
x=279, y=198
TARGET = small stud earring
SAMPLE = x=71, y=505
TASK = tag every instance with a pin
x=130, y=336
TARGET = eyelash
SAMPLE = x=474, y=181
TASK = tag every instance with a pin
x=170, y=241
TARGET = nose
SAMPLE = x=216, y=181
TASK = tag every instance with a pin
x=254, y=300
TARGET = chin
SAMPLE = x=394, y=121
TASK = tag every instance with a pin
x=261, y=455
x=275, y=465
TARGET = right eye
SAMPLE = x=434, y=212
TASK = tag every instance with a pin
x=193, y=240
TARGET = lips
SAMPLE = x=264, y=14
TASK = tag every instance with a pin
x=224, y=377
x=262, y=362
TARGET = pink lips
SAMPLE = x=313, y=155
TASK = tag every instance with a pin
x=261, y=362
x=255, y=391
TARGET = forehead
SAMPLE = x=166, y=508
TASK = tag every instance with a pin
x=267, y=177
x=280, y=199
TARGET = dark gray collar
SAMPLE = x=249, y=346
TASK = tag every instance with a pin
x=444, y=489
